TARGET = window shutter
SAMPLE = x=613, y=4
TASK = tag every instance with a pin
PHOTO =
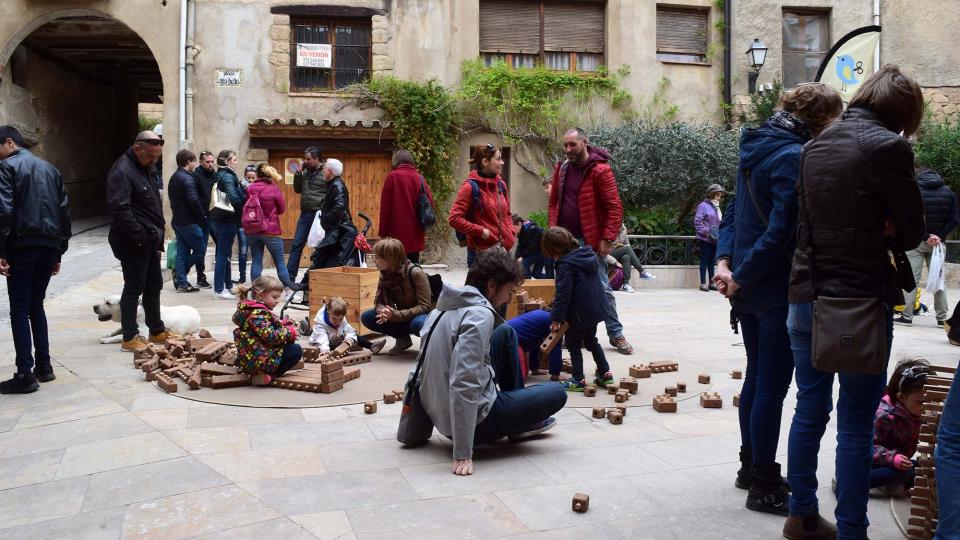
x=682, y=30
x=573, y=27
x=509, y=26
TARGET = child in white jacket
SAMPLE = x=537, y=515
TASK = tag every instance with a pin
x=331, y=329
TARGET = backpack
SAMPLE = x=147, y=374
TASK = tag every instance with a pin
x=476, y=205
x=436, y=282
x=253, y=221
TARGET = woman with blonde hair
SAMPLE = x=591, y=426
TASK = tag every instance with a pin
x=404, y=297
x=263, y=230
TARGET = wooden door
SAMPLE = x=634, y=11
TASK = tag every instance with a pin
x=363, y=173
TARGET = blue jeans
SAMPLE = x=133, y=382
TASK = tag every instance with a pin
x=398, y=330
x=612, y=322
x=191, y=250
x=471, y=257
x=888, y=476
x=576, y=341
x=243, y=248
x=224, y=232
x=533, y=266
x=947, y=455
x=517, y=408
x=769, y=371
x=274, y=245
x=202, y=264
x=30, y=269
x=304, y=222
x=856, y=407
x=708, y=254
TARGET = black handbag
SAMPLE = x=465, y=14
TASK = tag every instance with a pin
x=415, y=426
x=424, y=209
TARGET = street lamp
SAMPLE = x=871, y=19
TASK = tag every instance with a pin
x=756, y=56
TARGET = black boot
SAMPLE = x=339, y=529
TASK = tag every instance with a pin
x=767, y=493
x=743, y=475
x=21, y=383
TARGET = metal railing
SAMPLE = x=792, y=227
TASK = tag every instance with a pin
x=657, y=250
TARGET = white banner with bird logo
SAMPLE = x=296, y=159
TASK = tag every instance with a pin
x=850, y=61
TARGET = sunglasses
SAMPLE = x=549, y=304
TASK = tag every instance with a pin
x=152, y=142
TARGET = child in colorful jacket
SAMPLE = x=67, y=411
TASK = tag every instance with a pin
x=266, y=344
x=897, y=428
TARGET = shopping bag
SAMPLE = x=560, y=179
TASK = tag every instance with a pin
x=935, y=276
x=316, y=232
x=172, y=254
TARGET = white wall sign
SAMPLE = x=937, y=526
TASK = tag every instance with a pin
x=314, y=55
x=229, y=77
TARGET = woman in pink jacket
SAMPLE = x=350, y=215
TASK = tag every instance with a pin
x=263, y=230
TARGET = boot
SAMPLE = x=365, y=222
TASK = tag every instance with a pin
x=743, y=475
x=767, y=493
x=812, y=527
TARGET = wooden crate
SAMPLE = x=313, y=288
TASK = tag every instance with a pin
x=537, y=288
x=357, y=287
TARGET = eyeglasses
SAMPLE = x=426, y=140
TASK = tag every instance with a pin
x=152, y=142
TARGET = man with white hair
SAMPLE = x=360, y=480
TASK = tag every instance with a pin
x=335, y=210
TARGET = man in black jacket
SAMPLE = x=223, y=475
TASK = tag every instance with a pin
x=310, y=184
x=189, y=221
x=136, y=237
x=206, y=176
x=34, y=231
x=940, y=209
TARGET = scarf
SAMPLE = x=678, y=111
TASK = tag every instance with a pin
x=788, y=122
x=716, y=206
x=390, y=284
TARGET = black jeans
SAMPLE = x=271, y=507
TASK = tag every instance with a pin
x=141, y=276
x=708, y=253
x=585, y=339
x=292, y=353
x=30, y=269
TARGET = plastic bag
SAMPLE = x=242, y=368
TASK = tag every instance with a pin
x=935, y=276
x=172, y=254
x=316, y=232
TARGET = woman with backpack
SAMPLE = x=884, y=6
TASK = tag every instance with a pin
x=224, y=221
x=481, y=211
x=261, y=222
x=403, y=299
x=399, y=204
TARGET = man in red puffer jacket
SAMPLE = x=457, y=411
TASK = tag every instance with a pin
x=584, y=200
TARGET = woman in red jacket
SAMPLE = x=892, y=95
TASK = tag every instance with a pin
x=485, y=219
x=398, y=205
x=267, y=232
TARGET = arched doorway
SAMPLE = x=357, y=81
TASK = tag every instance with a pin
x=73, y=85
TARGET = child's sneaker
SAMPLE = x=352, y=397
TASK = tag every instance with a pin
x=556, y=378
x=573, y=385
x=261, y=379
x=605, y=379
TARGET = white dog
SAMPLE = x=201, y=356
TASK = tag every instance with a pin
x=177, y=319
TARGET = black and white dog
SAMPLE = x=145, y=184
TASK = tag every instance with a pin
x=177, y=319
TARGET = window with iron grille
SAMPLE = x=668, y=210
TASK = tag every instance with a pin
x=349, y=41
x=806, y=40
x=682, y=34
x=561, y=35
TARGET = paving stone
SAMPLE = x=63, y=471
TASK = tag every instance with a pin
x=165, y=419
x=472, y=516
x=151, y=481
x=56, y=499
x=335, y=491
x=116, y=454
x=76, y=409
x=274, y=529
x=573, y=533
x=690, y=452
x=264, y=436
x=29, y=469
x=99, y=525
x=9, y=417
x=493, y=473
x=607, y=462
x=256, y=465
x=381, y=455
x=78, y=432
x=224, y=416
x=326, y=525
x=212, y=440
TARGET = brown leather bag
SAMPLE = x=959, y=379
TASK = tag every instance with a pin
x=849, y=335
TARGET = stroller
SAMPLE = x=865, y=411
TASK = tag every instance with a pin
x=344, y=246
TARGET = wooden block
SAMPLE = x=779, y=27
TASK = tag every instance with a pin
x=354, y=358
x=341, y=350
x=331, y=376
x=711, y=400
x=664, y=404
x=331, y=365
x=589, y=391
x=612, y=389
x=331, y=387
x=152, y=375
x=554, y=338
x=736, y=400
x=229, y=381
x=138, y=362
x=166, y=384
x=195, y=345
x=210, y=368
x=581, y=502
x=350, y=374
x=736, y=374
x=566, y=367
x=681, y=387
x=599, y=412
x=229, y=357
x=204, y=333
x=398, y=394
x=703, y=378
x=670, y=391
x=167, y=363
x=212, y=351
x=640, y=371
x=621, y=396
x=370, y=407
x=162, y=352
x=149, y=352
x=621, y=408
x=663, y=367
x=151, y=365
x=388, y=397
x=629, y=384
x=311, y=354
x=176, y=350
x=299, y=365
x=194, y=381
x=522, y=296
x=615, y=417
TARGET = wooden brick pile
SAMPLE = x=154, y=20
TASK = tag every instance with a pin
x=924, y=512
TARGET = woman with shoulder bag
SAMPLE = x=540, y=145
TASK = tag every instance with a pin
x=399, y=199
x=227, y=202
x=858, y=202
x=707, y=223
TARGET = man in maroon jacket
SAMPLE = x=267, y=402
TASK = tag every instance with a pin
x=584, y=200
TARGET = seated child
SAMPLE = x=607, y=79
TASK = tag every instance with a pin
x=529, y=236
x=266, y=344
x=897, y=428
x=331, y=329
x=532, y=328
x=580, y=301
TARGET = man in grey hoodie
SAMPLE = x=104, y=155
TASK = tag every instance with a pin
x=470, y=355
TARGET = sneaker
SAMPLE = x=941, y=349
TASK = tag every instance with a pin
x=904, y=321
x=939, y=323
x=704, y=288
x=135, y=344
x=162, y=337
x=44, y=375
x=622, y=345
x=555, y=378
x=377, y=345
x=573, y=385
x=225, y=295
x=401, y=346
x=712, y=286
x=21, y=383
x=605, y=379
x=647, y=275
x=188, y=288
x=627, y=288
x=202, y=282
x=534, y=430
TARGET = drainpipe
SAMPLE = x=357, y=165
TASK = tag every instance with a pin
x=191, y=61
x=876, y=21
x=727, y=44
x=182, y=94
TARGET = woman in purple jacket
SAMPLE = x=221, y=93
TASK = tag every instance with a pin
x=707, y=223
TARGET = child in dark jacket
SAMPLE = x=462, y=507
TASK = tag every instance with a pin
x=529, y=236
x=580, y=301
x=266, y=344
x=897, y=428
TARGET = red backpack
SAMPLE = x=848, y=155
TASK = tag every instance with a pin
x=253, y=219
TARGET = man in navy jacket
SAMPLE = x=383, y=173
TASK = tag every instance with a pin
x=189, y=221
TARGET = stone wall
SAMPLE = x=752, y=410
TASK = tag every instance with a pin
x=943, y=103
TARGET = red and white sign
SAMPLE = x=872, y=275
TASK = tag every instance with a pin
x=314, y=55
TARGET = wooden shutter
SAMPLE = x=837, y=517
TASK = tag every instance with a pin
x=573, y=27
x=510, y=26
x=682, y=30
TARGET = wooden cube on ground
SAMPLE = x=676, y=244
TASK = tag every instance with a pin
x=370, y=407
x=350, y=374
x=612, y=389
x=204, y=333
x=615, y=417
x=389, y=397
x=228, y=381
x=736, y=400
x=629, y=384
x=589, y=391
x=621, y=408
x=599, y=412
x=736, y=374
x=398, y=394
x=670, y=391
x=681, y=387
x=664, y=404
x=621, y=396
x=311, y=354
x=166, y=383
x=703, y=378
x=663, y=367
x=711, y=400
x=640, y=371
x=581, y=502
x=329, y=366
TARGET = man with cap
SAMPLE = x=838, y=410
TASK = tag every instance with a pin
x=136, y=237
x=34, y=232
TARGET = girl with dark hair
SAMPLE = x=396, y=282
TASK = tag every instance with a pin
x=481, y=211
x=897, y=428
x=399, y=199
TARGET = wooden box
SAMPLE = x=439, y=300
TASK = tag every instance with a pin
x=537, y=288
x=357, y=287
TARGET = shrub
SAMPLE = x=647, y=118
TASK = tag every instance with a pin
x=938, y=147
x=539, y=217
x=762, y=106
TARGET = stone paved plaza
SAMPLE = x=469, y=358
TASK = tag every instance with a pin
x=100, y=453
